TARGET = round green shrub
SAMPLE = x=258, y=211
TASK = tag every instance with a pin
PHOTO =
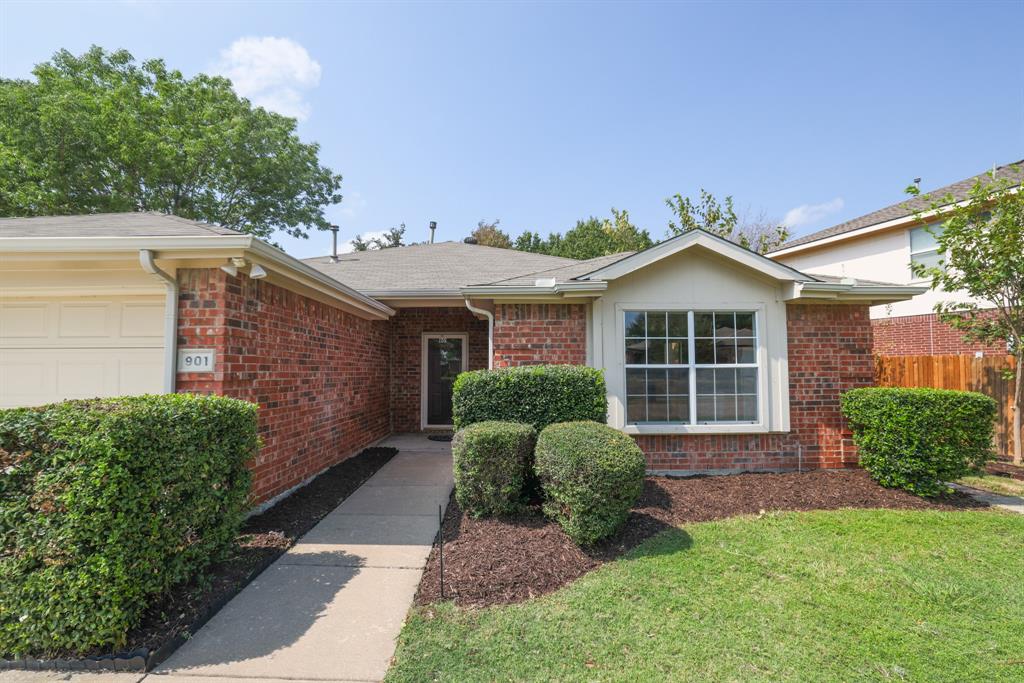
x=491, y=462
x=538, y=395
x=591, y=475
x=920, y=439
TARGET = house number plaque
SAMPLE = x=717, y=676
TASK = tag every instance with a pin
x=196, y=360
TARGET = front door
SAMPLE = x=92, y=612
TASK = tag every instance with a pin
x=444, y=357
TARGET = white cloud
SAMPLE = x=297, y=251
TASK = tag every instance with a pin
x=274, y=73
x=808, y=214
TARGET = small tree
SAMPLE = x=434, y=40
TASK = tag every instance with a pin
x=392, y=238
x=720, y=218
x=589, y=238
x=488, y=235
x=981, y=242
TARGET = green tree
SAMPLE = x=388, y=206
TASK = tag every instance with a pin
x=720, y=218
x=489, y=235
x=590, y=238
x=981, y=242
x=102, y=133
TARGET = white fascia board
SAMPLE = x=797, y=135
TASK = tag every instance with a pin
x=564, y=288
x=876, y=294
x=694, y=238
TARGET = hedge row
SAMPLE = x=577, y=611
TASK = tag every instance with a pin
x=107, y=504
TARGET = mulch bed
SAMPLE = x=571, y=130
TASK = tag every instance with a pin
x=263, y=538
x=502, y=561
x=1004, y=468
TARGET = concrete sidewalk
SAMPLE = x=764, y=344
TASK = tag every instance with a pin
x=331, y=607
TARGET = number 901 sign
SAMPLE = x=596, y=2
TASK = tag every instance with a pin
x=196, y=360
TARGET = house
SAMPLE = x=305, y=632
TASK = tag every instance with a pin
x=716, y=359
x=881, y=246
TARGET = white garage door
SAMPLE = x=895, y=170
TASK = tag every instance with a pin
x=54, y=349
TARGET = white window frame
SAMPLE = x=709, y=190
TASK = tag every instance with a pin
x=423, y=370
x=910, y=248
x=758, y=427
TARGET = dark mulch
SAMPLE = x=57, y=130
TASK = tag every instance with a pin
x=263, y=538
x=501, y=561
x=1004, y=468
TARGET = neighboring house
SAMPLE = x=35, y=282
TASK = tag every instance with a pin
x=716, y=358
x=881, y=246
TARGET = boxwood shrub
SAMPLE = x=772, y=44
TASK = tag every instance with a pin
x=591, y=475
x=919, y=439
x=538, y=395
x=491, y=462
x=107, y=504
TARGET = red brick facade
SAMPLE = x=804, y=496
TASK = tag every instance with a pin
x=407, y=329
x=535, y=334
x=829, y=352
x=919, y=335
x=319, y=374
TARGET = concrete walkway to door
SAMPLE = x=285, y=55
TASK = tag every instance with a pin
x=331, y=607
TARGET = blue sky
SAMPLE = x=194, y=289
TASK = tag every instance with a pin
x=543, y=113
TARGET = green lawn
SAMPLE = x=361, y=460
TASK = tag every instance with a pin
x=989, y=482
x=851, y=595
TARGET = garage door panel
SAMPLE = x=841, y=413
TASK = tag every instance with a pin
x=48, y=375
x=24, y=320
x=84, y=320
x=142, y=320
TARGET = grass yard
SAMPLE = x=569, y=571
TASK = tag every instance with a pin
x=994, y=483
x=848, y=595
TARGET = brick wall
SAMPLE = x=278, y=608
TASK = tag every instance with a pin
x=407, y=329
x=917, y=335
x=319, y=374
x=829, y=352
x=533, y=334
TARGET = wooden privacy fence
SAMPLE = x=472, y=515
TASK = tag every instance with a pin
x=967, y=373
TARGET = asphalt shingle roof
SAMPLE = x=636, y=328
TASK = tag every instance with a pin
x=959, y=190
x=440, y=267
x=564, y=273
x=141, y=224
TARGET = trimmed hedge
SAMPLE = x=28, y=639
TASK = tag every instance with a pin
x=491, y=464
x=107, y=504
x=591, y=475
x=919, y=439
x=538, y=395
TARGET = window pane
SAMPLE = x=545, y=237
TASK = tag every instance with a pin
x=705, y=409
x=677, y=352
x=929, y=259
x=725, y=324
x=636, y=381
x=636, y=351
x=725, y=381
x=725, y=408
x=635, y=324
x=705, y=381
x=678, y=409
x=745, y=352
x=636, y=409
x=655, y=324
x=746, y=408
x=746, y=381
x=704, y=349
x=678, y=381
x=656, y=382
x=725, y=350
x=655, y=351
x=677, y=326
x=657, y=408
x=703, y=324
x=744, y=324
x=922, y=240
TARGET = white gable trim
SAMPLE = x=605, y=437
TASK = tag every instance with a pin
x=697, y=238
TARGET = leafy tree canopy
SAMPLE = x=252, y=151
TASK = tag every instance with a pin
x=489, y=235
x=590, y=238
x=981, y=242
x=102, y=133
x=720, y=218
x=394, y=237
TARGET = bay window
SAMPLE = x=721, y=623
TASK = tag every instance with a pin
x=691, y=367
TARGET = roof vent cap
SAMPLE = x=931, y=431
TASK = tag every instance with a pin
x=848, y=281
x=544, y=282
x=470, y=240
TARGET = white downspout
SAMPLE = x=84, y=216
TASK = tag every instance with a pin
x=170, y=318
x=490, y=331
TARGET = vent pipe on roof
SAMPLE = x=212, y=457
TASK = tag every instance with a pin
x=433, y=227
x=334, y=248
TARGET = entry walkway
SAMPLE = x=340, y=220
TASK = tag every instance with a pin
x=331, y=607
